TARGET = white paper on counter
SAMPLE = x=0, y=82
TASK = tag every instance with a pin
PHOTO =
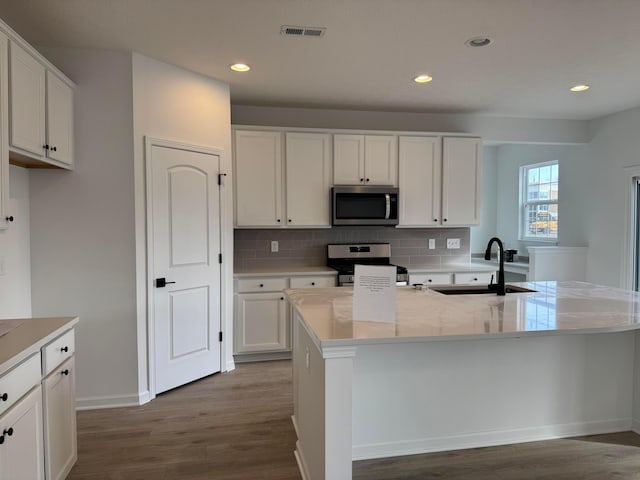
x=374, y=293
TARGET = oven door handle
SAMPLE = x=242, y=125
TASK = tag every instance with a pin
x=387, y=213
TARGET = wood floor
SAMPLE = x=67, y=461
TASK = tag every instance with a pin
x=237, y=426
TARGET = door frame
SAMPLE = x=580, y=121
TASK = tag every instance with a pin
x=627, y=264
x=150, y=142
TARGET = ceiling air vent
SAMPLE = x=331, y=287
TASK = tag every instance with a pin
x=295, y=31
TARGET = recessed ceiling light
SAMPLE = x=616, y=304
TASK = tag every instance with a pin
x=423, y=79
x=478, y=42
x=579, y=88
x=240, y=67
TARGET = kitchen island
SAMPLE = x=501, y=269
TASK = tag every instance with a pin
x=460, y=371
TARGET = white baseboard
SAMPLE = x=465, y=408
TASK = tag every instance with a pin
x=486, y=439
x=115, y=401
x=635, y=425
x=231, y=365
x=302, y=465
x=295, y=425
x=262, y=357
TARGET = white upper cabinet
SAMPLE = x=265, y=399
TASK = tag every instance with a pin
x=41, y=112
x=365, y=159
x=4, y=132
x=420, y=181
x=27, y=90
x=59, y=120
x=258, y=178
x=461, y=181
x=308, y=179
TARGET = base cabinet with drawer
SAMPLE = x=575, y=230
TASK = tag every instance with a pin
x=448, y=278
x=262, y=319
x=37, y=406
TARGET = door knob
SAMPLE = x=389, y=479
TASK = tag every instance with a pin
x=162, y=282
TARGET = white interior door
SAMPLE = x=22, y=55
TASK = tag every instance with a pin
x=184, y=198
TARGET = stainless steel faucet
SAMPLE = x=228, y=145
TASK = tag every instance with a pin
x=499, y=287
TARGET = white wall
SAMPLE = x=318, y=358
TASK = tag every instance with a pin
x=574, y=188
x=490, y=128
x=174, y=104
x=615, y=145
x=15, y=284
x=82, y=229
x=481, y=234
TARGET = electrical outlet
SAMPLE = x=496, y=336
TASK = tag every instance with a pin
x=432, y=243
x=274, y=246
x=453, y=243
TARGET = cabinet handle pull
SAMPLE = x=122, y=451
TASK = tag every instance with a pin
x=9, y=218
x=64, y=372
x=55, y=149
x=1, y=439
x=4, y=397
x=64, y=349
x=8, y=431
x=45, y=146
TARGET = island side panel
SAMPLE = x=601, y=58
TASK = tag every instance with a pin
x=434, y=396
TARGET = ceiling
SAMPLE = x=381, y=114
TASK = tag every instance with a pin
x=372, y=50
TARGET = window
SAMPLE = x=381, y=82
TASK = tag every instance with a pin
x=539, y=201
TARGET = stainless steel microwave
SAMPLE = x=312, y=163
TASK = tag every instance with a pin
x=364, y=205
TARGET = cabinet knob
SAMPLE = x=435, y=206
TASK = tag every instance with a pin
x=313, y=283
x=64, y=372
x=9, y=218
x=429, y=280
x=8, y=431
x=435, y=219
x=262, y=285
x=64, y=349
x=361, y=180
x=4, y=397
x=289, y=220
x=367, y=180
x=444, y=219
x=278, y=220
x=475, y=279
x=281, y=298
x=45, y=146
x=55, y=149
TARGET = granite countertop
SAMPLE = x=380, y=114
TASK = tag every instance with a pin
x=24, y=337
x=283, y=270
x=555, y=308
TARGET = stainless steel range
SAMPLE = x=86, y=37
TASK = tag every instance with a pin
x=344, y=257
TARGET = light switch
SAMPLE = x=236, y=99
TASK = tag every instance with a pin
x=432, y=243
x=274, y=246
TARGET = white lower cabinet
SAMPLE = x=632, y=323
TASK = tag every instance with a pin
x=470, y=278
x=261, y=322
x=262, y=318
x=60, y=420
x=430, y=278
x=21, y=448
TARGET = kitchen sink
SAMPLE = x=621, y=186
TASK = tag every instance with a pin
x=477, y=289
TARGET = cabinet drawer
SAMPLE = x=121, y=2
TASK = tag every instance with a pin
x=324, y=281
x=19, y=381
x=431, y=278
x=57, y=352
x=468, y=278
x=265, y=284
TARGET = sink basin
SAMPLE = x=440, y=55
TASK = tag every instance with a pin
x=477, y=289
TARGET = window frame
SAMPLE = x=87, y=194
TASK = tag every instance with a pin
x=524, y=202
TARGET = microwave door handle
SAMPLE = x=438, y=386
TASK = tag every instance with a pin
x=387, y=213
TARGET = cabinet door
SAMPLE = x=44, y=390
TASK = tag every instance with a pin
x=59, y=120
x=21, y=452
x=420, y=181
x=60, y=421
x=27, y=105
x=461, y=181
x=4, y=131
x=348, y=159
x=258, y=178
x=261, y=322
x=380, y=160
x=308, y=179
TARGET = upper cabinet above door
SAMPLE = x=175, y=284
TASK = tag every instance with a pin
x=365, y=160
x=40, y=112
